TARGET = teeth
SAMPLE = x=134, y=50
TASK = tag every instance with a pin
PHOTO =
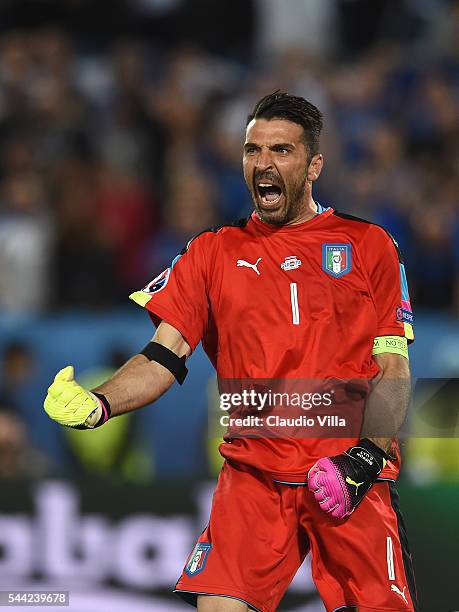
x=265, y=185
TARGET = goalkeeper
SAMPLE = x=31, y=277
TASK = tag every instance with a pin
x=297, y=291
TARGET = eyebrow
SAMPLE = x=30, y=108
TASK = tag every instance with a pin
x=277, y=145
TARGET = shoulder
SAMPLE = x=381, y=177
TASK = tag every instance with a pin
x=211, y=236
x=369, y=233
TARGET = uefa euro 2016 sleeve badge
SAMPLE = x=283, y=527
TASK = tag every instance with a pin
x=198, y=558
x=159, y=282
x=337, y=259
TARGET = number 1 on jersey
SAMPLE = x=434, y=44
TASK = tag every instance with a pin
x=294, y=301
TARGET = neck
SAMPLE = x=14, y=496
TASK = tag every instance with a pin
x=308, y=211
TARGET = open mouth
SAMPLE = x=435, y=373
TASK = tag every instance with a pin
x=269, y=193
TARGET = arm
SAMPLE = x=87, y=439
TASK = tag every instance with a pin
x=388, y=402
x=139, y=382
x=178, y=295
x=339, y=483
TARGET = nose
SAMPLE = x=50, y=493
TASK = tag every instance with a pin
x=264, y=159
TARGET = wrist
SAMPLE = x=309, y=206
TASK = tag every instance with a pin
x=370, y=456
x=103, y=410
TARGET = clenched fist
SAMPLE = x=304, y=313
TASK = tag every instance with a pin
x=71, y=405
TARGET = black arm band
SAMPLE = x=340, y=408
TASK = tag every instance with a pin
x=167, y=358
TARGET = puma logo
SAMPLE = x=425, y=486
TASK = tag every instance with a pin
x=246, y=264
x=352, y=482
x=395, y=589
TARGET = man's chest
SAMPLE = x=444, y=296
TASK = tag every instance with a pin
x=290, y=282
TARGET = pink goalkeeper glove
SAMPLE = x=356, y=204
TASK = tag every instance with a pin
x=339, y=483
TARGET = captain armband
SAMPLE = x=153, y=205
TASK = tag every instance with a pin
x=391, y=344
x=167, y=358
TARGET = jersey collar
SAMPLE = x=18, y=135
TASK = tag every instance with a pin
x=299, y=227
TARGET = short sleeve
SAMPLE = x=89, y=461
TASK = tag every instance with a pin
x=179, y=294
x=388, y=283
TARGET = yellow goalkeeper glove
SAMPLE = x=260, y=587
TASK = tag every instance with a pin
x=71, y=405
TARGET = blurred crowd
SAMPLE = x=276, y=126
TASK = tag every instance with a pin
x=112, y=158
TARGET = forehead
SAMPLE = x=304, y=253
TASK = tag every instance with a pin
x=270, y=131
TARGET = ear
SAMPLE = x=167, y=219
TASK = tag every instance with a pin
x=315, y=167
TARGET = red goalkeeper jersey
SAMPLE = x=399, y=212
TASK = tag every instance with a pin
x=299, y=301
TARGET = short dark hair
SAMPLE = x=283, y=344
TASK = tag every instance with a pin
x=281, y=105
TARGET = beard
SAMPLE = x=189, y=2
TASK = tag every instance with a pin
x=292, y=204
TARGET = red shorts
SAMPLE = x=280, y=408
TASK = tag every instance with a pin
x=260, y=532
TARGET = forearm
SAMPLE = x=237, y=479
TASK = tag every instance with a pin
x=141, y=381
x=339, y=483
x=387, y=404
x=137, y=383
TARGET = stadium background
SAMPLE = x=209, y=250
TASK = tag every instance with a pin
x=120, y=138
